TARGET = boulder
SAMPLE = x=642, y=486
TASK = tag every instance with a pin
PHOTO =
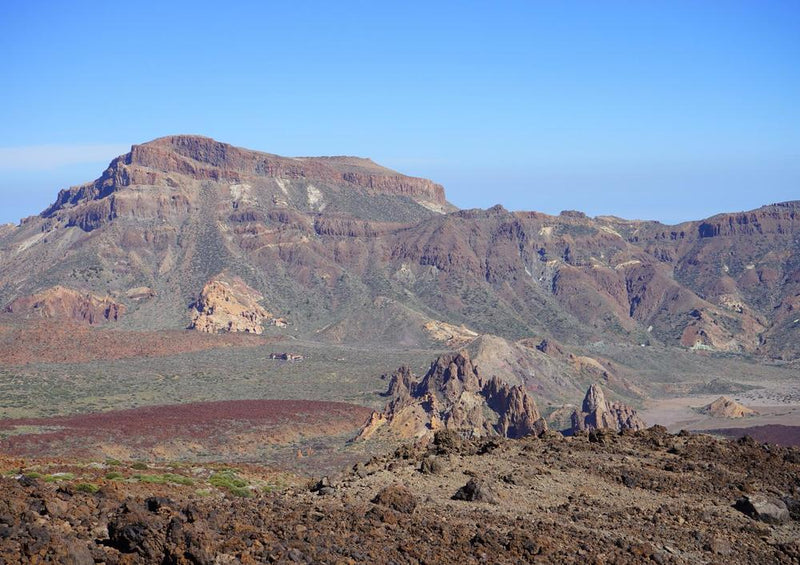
x=431, y=465
x=763, y=508
x=396, y=497
x=476, y=490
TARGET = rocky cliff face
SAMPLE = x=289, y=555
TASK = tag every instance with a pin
x=68, y=304
x=228, y=305
x=598, y=414
x=452, y=395
x=746, y=267
x=171, y=162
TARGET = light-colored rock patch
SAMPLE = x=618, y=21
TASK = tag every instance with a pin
x=227, y=304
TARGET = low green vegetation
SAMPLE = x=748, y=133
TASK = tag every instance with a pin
x=89, y=488
x=228, y=479
x=206, y=482
x=227, y=373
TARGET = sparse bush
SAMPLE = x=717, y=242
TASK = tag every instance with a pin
x=114, y=475
x=228, y=479
x=139, y=466
x=87, y=488
x=178, y=479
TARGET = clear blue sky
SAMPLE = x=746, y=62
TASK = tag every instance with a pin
x=662, y=110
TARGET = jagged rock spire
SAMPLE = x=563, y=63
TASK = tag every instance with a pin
x=597, y=413
x=453, y=395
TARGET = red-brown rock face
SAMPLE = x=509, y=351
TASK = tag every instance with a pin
x=165, y=161
x=68, y=304
x=329, y=238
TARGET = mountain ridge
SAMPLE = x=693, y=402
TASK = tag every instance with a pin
x=203, y=158
x=349, y=251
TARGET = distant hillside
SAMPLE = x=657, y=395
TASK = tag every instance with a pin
x=341, y=249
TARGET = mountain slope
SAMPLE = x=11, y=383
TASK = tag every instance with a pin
x=345, y=250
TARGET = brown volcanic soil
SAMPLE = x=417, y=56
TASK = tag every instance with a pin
x=48, y=341
x=230, y=430
x=633, y=498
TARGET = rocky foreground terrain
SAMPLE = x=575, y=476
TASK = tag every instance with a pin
x=597, y=497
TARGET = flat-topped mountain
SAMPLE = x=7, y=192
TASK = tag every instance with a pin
x=340, y=249
x=254, y=180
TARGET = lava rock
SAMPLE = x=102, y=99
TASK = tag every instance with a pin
x=431, y=465
x=763, y=508
x=476, y=491
x=448, y=441
x=27, y=481
x=396, y=497
x=155, y=503
x=323, y=487
x=793, y=506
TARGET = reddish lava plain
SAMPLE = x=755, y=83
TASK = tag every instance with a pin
x=209, y=425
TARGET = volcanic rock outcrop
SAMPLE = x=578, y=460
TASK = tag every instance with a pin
x=598, y=414
x=67, y=304
x=724, y=407
x=452, y=395
x=228, y=305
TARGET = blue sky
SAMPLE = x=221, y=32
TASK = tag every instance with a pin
x=659, y=110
